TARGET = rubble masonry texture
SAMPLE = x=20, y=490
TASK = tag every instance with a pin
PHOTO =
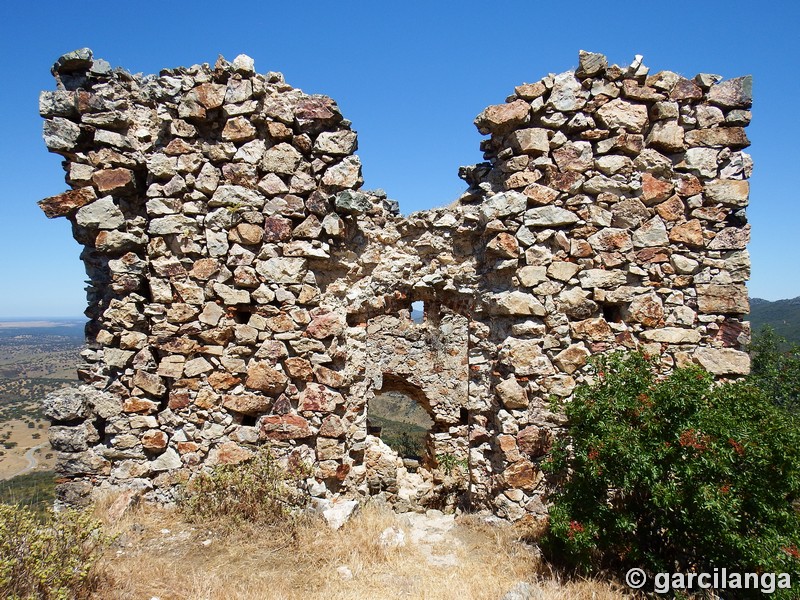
x=245, y=291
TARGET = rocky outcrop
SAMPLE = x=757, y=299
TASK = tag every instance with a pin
x=244, y=290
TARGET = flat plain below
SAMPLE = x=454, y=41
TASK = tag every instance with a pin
x=37, y=356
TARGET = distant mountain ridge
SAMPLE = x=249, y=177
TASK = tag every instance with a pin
x=782, y=315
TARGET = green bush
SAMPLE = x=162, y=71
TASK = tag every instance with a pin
x=258, y=491
x=675, y=474
x=50, y=559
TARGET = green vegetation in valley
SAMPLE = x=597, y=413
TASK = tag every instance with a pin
x=407, y=439
x=782, y=315
x=35, y=490
x=33, y=362
x=404, y=423
x=31, y=352
x=22, y=398
x=397, y=406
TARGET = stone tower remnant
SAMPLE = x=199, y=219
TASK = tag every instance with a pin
x=245, y=291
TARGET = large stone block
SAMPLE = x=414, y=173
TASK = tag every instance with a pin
x=723, y=361
x=722, y=299
x=66, y=203
x=284, y=427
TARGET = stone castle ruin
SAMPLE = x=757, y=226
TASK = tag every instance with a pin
x=244, y=291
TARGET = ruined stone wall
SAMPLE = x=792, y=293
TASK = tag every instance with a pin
x=239, y=279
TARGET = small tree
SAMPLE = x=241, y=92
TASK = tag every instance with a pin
x=675, y=474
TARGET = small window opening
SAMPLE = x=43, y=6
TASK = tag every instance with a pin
x=249, y=420
x=418, y=311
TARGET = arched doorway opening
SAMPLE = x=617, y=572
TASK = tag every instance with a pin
x=400, y=415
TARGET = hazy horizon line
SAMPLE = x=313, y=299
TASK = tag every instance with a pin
x=7, y=318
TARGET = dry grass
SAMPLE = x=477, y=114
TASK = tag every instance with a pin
x=301, y=563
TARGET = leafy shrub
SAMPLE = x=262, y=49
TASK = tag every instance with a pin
x=50, y=559
x=257, y=491
x=450, y=464
x=675, y=475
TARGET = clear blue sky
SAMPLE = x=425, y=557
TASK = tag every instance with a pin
x=411, y=76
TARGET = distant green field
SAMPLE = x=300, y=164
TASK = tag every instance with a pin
x=34, y=489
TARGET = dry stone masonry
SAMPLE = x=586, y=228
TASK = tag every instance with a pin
x=245, y=291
